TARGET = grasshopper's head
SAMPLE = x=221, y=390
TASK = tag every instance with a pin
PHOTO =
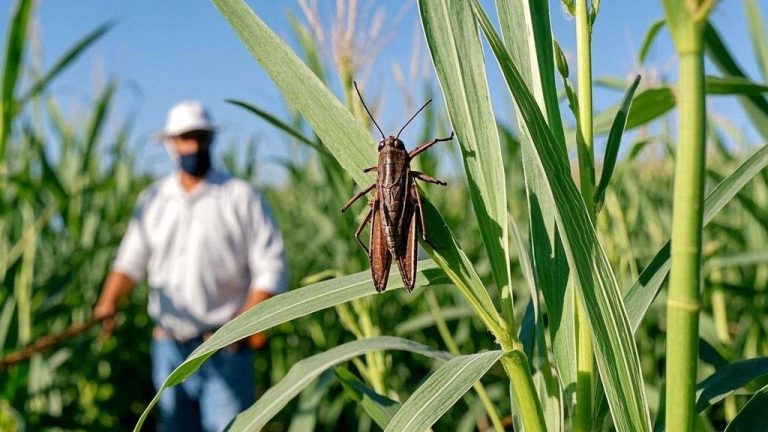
x=392, y=143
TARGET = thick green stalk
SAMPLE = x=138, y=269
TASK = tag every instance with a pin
x=683, y=300
x=585, y=373
x=515, y=363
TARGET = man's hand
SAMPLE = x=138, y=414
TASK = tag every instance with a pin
x=117, y=286
x=105, y=311
x=258, y=340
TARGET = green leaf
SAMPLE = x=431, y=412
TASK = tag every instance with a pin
x=441, y=390
x=640, y=297
x=649, y=38
x=458, y=58
x=758, y=35
x=305, y=371
x=732, y=86
x=647, y=106
x=614, y=344
x=12, y=65
x=305, y=417
x=728, y=379
x=379, y=407
x=283, y=308
x=747, y=259
x=64, y=61
x=528, y=37
x=426, y=320
x=98, y=121
x=350, y=143
x=276, y=122
x=755, y=105
x=613, y=144
x=752, y=415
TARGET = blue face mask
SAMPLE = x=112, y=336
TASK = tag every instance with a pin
x=196, y=164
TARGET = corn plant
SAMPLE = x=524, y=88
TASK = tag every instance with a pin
x=66, y=184
x=562, y=261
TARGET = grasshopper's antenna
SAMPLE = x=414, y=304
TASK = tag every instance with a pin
x=413, y=117
x=367, y=110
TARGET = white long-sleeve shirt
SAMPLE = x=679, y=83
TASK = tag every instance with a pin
x=201, y=252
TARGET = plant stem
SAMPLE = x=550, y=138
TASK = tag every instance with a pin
x=516, y=365
x=683, y=300
x=582, y=421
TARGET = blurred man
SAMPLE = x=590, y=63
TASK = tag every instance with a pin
x=209, y=250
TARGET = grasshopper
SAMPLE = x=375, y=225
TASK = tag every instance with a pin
x=394, y=208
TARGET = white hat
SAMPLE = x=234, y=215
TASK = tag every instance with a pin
x=184, y=117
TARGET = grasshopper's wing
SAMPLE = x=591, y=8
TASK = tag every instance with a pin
x=408, y=246
x=379, y=255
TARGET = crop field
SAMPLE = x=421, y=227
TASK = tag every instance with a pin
x=586, y=270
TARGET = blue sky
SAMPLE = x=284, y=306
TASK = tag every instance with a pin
x=169, y=50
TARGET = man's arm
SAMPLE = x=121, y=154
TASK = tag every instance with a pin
x=117, y=286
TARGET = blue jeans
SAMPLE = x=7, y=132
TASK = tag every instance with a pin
x=209, y=399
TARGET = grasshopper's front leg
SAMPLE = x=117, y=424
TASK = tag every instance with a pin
x=357, y=196
x=427, y=145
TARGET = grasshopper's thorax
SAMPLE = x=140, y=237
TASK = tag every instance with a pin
x=393, y=178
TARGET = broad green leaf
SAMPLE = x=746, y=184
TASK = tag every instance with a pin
x=613, y=144
x=647, y=106
x=441, y=390
x=615, y=349
x=640, y=297
x=728, y=379
x=379, y=407
x=286, y=307
x=732, y=86
x=752, y=416
x=458, y=58
x=757, y=33
x=312, y=53
x=351, y=145
x=304, y=372
x=528, y=37
x=64, y=61
x=649, y=38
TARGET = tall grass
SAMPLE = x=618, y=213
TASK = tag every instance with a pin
x=67, y=184
x=560, y=216
x=488, y=339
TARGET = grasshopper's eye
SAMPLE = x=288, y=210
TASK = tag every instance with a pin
x=381, y=145
x=399, y=144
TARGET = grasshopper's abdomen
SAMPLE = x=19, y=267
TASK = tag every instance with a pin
x=393, y=178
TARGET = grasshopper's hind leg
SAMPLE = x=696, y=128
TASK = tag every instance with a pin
x=417, y=196
x=360, y=229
